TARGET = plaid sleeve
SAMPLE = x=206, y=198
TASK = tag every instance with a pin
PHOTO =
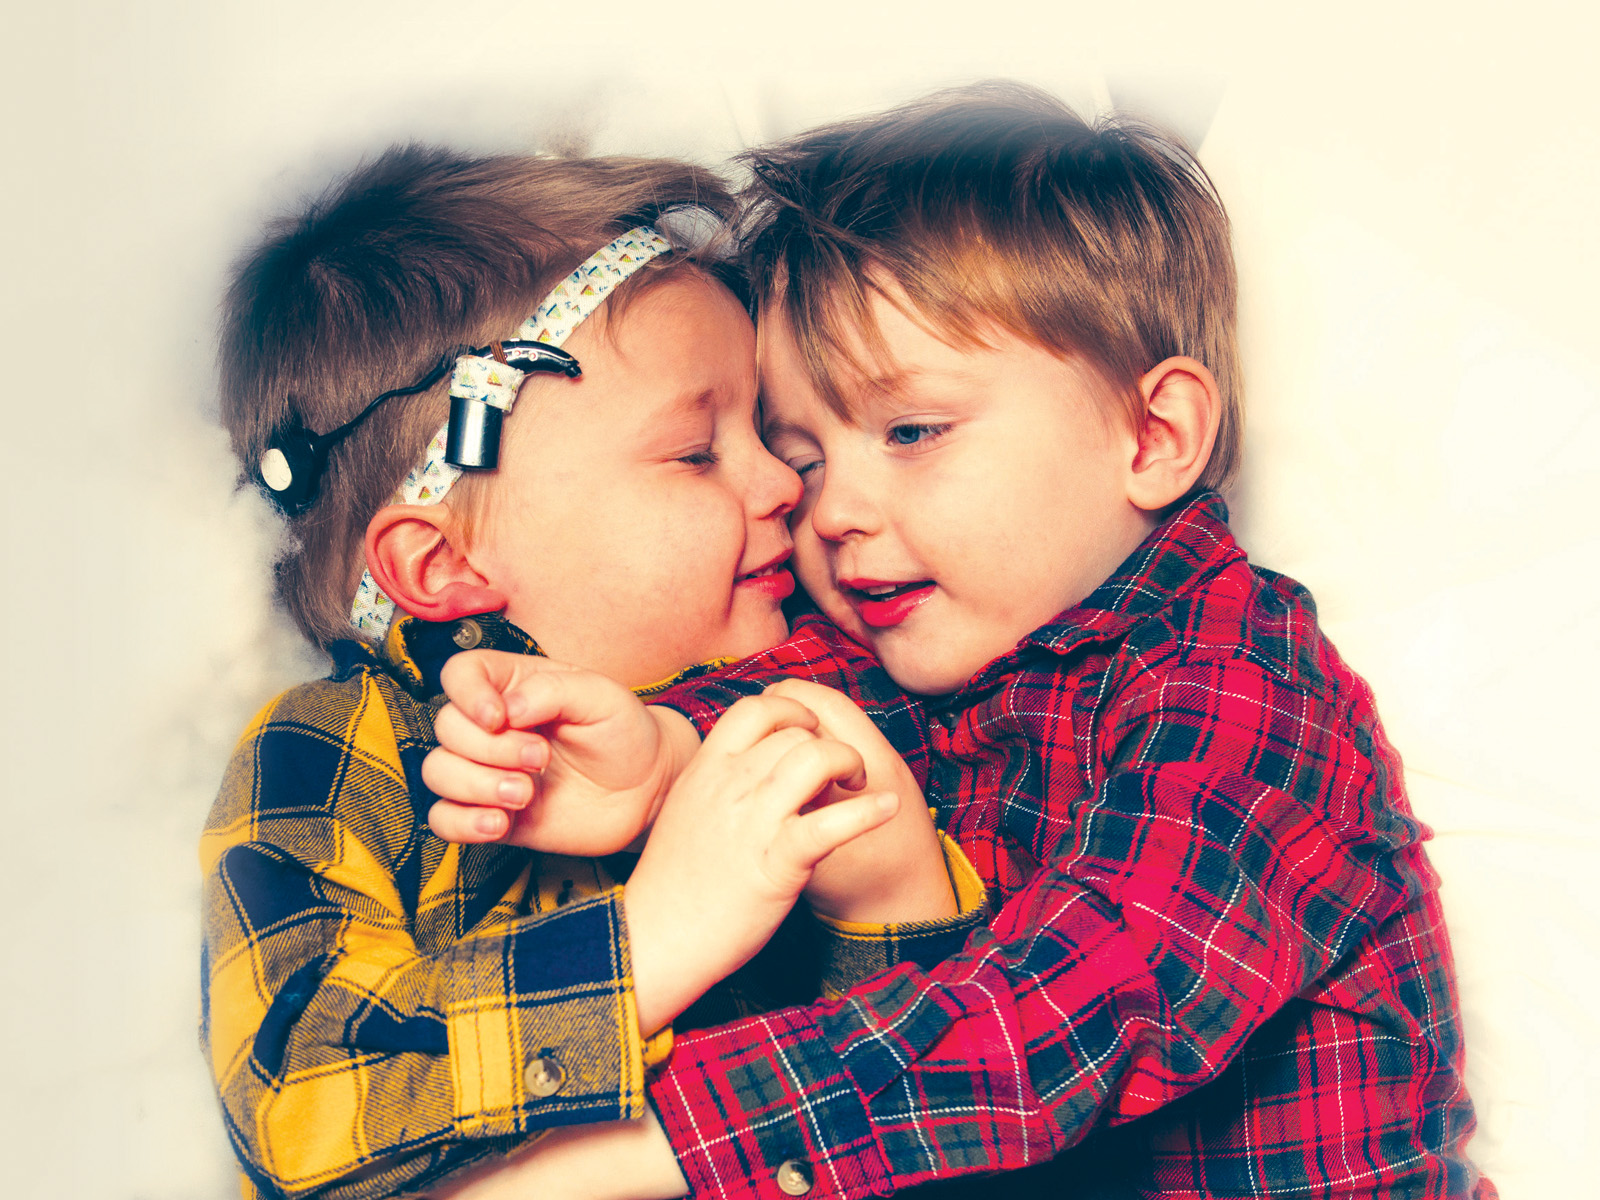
x=852, y=952
x=817, y=651
x=350, y=1064
x=1234, y=845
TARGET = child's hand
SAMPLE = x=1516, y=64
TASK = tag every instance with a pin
x=897, y=872
x=731, y=849
x=540, y=754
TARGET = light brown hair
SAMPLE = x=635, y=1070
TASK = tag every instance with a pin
x=418, y=252
x=997, y=203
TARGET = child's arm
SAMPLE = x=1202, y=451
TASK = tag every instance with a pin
x=619, y=1160
x=360, y=1042
x=1183, y=897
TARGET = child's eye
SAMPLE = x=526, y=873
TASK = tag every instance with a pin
x=703, y=457
x=911, y=434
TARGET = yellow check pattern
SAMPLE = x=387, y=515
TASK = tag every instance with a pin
x=373, y=996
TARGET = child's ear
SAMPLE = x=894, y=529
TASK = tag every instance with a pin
x=1182, y=407
x=412, y=558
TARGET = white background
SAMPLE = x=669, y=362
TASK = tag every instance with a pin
x=1412, y=188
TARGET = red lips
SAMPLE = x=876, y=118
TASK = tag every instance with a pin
x=883, y=603
x=772, y=580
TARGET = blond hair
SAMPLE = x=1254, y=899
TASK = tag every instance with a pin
x=997, y=203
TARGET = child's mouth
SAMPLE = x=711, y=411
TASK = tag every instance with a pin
x=773, y=581
x=884, y=604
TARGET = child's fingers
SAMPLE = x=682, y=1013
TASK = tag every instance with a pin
x=819, y=698
x=807, y=768
x=510, y=749
x=464, y=781
x=557, y=692
x=476, y=680
x=759, y=762
x=842, y=720
x=754, y=718
x=810, y=837
x=467, y=823
x=840, y=717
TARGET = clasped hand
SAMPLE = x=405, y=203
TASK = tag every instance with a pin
x=570, y=762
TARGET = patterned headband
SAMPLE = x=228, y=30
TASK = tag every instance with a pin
x=489, y=380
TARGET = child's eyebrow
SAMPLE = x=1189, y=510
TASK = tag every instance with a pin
x=697, y=401
x=905, y=379
x=890, y=382
x=688, y=403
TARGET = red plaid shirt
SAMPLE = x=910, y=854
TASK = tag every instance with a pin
x=1217, y=965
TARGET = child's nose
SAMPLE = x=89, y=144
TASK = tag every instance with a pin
x=775, y=489
x=844, y=506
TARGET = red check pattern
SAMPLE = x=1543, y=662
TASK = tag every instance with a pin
x=1218, y=966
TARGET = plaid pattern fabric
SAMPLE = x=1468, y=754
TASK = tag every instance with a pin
x=1217, y=967
x=851, y=952
x=372, y=995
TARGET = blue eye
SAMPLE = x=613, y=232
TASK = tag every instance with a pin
x=912, y=434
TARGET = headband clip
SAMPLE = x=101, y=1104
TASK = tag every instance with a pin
x=472, y=438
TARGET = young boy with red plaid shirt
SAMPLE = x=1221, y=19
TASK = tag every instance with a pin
x=998, y=346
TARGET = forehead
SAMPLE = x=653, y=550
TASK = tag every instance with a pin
x=675, y=350
x=686, y=333
x=851, y=362
x=662, y=315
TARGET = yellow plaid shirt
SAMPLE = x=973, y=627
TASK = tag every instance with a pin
x=381, y=1007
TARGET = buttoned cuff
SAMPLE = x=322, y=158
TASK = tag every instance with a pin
x=778, y=1105
x=853, y=951
x=542, y=1025
x=741, y=1130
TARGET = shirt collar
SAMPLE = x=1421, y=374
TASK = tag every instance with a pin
x=415, y=651
x=1190, y=546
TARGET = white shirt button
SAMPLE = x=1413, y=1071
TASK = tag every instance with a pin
x=794, y=1177
x=544, y=1076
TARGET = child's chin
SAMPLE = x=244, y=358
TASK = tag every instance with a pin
x=922, y=675
x=755, y=635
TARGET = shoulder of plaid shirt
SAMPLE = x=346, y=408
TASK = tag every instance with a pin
x=373, y=996
x=1218, y=966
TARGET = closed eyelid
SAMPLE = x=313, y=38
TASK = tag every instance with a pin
x=787, y=441
x=799, y=455
x=774, y=430
x=795, y=453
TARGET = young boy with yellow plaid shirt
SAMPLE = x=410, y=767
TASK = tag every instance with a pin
x=382, y=1008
